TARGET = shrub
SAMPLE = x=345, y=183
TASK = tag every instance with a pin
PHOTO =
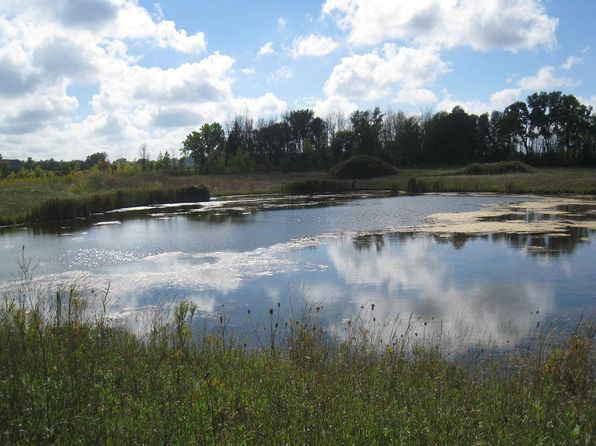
x=499, y=168
x=416, y=186
x=362, y=166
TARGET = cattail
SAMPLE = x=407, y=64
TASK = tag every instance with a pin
x=270, y=311
x=372, y=307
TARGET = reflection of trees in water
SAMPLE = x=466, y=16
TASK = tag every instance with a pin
x=221, y=216
x=544, y=245
x=367, y=241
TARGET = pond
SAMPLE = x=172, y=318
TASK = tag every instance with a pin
x=477, y=267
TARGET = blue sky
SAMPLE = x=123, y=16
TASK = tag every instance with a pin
x=80, y=76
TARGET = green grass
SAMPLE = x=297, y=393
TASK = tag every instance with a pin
x=544, y=181
x=71, y=376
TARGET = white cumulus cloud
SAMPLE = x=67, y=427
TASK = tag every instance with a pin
x=374, y=76
x=571, y=62
x=546, y=79
x=313, y=45
x=47, y=48
x=415, y=96
x=266, y=50
x=333, y=104
x=284, y=72
x=482, y=25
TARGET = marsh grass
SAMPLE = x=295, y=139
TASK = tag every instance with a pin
x=317, y=186
x=499, y=168
x=546, y=182
x=70, y=374
x=64, y=208
x=68, y=208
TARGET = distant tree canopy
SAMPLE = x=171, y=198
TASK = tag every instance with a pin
x=99, y=159
x=200, y=145
x=548, y=129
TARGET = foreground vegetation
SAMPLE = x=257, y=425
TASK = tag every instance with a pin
x=70, y=375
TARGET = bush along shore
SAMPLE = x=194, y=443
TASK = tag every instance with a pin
x=69, y=374
x=83, y=206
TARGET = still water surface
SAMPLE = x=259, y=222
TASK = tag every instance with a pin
x=343, y=253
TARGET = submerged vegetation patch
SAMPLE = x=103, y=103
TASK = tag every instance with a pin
x=362, y=166
x=69, y=208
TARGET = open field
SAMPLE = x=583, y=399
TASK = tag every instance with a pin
x=20, y=196
x=69, y=375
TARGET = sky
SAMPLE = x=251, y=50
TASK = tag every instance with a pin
x=85, y=76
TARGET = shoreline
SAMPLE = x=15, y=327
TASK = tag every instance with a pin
x=19, y=196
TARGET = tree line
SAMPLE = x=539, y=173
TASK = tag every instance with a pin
x=548, y=129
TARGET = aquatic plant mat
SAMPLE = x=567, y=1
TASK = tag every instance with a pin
x=554, y=216
x=71, y=375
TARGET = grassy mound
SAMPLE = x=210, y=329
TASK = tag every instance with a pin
x=362, y=166
x=307, y=187
x=499, y=168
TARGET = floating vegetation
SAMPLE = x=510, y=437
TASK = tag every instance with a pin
x=544, y=216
